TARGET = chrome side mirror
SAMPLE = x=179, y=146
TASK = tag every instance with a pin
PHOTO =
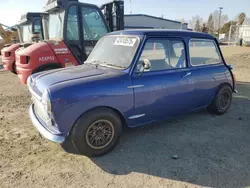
x=145, y=66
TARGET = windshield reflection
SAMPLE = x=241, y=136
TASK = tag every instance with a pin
x=114, y=51
x=26, y=32
x=56, y=25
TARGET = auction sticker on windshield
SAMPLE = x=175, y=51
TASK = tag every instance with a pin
x=125, y=41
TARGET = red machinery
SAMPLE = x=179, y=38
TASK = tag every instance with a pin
x=30, y=26
x=74, y=29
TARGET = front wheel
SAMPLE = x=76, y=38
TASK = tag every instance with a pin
x=96, y=132
x=221, y=101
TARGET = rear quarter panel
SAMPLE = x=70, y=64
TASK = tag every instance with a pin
x=208, y=79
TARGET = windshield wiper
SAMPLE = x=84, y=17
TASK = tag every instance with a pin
x=103, y=63
x=112, y=65
x=93, y=63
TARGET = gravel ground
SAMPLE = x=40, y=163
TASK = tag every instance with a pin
x=213, y=151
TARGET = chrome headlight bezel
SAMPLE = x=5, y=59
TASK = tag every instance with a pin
x=29, y=82
x=46, y=101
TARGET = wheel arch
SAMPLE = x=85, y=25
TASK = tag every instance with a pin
x=218, y=88
x=116, y=111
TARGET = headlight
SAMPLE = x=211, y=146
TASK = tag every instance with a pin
x=46, y=101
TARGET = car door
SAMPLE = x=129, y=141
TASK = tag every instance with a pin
x=208, y=69
x=73, y=36
x=164, y=90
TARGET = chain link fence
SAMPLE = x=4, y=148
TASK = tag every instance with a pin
x=239, y=33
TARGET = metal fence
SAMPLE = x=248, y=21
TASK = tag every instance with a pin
x=238, y=32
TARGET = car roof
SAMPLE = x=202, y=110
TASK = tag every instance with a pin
x=161, y=32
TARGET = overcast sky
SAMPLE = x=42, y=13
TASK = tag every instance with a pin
x=10, y=10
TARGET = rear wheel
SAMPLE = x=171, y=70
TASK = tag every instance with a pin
x=96, y=132
x=221, y=101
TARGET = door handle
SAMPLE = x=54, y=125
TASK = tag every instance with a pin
x=187, y=74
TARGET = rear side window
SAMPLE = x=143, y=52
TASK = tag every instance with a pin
x=203, y=52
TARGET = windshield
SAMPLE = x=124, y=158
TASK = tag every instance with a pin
x=38, y=27
x=114, y=51
x=94, y=26
x=26, y=32
x=56, y=25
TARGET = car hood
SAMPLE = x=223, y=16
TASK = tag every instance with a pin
x=43, y=80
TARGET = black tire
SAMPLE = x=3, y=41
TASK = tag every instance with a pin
x=87, y=124
x=222, y=100
x=14, y=68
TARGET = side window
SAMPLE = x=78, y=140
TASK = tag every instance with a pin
x=179, y=54
x=72, y=24
x=163, y=54
x=93, y=24
x=203, y=52
x=38, y=27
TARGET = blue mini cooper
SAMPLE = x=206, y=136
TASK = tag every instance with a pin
x=131, y=78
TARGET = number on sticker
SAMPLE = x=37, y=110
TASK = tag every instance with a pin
x=125, y=41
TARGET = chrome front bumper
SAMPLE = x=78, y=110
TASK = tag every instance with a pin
x=42, y=130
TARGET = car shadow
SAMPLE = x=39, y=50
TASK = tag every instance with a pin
x=200, y=148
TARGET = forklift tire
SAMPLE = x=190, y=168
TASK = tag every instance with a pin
x=14, y=68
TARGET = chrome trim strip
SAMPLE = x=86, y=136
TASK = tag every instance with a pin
x=136, y=116
x=42, y=130
x=135, y=86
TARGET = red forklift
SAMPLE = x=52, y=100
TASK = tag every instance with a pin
x=74, y=29
x=30, y=30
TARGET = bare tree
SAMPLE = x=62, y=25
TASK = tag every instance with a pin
x=210, y=24
x=223, y=20
x=247, y=21
x=241, y=18
x=197, y=26
x=204, y=28
x=193, y=21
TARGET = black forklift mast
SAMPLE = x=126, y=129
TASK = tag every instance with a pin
x=114, y=14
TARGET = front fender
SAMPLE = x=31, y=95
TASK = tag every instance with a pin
x=72, y=100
